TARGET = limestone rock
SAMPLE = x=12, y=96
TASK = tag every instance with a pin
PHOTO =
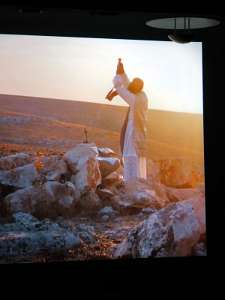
x=82, y=162
x=113, y=179
x=138, y=194
x=171, y=231
x=50, y=199
x=107, y=152
x=13, y=161
x=176, y=195
x=108, y=165
x=54, y=168
x=105, y=194
x=20, y=177
x=89, y=202
x=180, y=173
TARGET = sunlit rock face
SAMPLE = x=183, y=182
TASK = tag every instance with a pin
x=113, y=179
x=108, y=165
x=153, y=170
x=82, y=162
x=180, y=173
x=50, y=199
x=14, y=161
x=107, y=152
x=20, y=177
x=171, y=231
x=175, y=195
x=109, y=162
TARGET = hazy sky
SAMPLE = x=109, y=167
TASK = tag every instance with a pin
x=82, y=69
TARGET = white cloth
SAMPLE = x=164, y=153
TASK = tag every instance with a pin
x=134, y=166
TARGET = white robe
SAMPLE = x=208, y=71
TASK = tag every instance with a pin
x=134, y=165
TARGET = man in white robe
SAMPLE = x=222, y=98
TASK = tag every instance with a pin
x=134, y=140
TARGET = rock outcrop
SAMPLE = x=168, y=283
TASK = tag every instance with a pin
x=175, y=195
x=89, y=202
x=83, y=164
x=180, y=173
x=28, y=236
x=108, y=165
x=54, y=168
x=49, y=200
x=161, y=216
x=113, y=179
x=171, y=231
x=139, y=194
x=107, y=152
x=14, y=161
x=20, y=177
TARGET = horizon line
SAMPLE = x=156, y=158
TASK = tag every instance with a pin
x=93, y=102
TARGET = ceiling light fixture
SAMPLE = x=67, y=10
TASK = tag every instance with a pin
x=181, y=28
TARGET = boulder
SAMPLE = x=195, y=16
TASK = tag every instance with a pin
x=82, y=162
x=23, y=200
x=65, y=194
x=89, y=202
x=171, y=231
x=175, y=195
x=198, y=204
x=20, y=177
x=107, y=152
x=54, y=168
x=29, y=237
x=113, y=179
x=159, y=188
x=138, y=194
x=108, y=165
x=105, y=194
x=180, y=173
x=13, y=161
x=50, y=199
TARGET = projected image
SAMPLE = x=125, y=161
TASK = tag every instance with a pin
x=101, y=149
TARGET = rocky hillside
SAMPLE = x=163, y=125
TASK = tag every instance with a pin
x=75, y=206
x=170, y=134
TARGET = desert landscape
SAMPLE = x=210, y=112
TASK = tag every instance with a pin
x=53, y=207
x=58, y=125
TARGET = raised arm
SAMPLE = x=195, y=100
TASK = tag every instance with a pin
x=121, y=72
x=120, y=83
x=125, y=80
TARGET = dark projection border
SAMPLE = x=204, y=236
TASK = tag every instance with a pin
x=129, y=24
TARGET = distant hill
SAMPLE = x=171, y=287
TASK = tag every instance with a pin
x=168, y=132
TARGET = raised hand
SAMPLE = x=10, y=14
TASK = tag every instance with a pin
x=120, y=68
